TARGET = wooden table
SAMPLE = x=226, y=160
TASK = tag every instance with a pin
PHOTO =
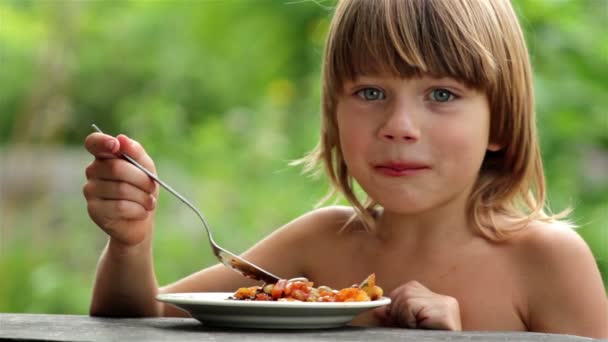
x=84, y=328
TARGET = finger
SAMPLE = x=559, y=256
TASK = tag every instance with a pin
x=382, y=316
x=432, y=318
x=381, y=312
x=392, y=310
x=102, y=146
x=441, y=312
x=428, y=321
x=113, y=190
x=398, y=308
x=414, y=289
x=410, y=317
x=111, y=210
x=135, y=151
x=120, y=170
x=402, y=311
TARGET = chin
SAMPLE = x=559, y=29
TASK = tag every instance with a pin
x=405, y=208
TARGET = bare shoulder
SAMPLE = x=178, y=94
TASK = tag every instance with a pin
x=322, y=221
x=290, y=249
x=561, y=280
x=331, y=217
x=553, y=250
x=551, y=242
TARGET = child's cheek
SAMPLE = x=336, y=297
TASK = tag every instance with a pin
x=463, y=148
x=355, y=135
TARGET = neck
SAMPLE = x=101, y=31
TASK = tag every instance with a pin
x=447, y=224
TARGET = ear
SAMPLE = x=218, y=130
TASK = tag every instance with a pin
x=493, y=147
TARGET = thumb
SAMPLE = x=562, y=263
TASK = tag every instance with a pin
x=136, y=151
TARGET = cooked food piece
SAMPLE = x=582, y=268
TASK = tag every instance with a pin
x=302, y=290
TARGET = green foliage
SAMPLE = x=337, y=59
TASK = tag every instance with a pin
x=223, y=94
x=569, y=53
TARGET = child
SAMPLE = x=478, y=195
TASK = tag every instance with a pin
x=428, y=106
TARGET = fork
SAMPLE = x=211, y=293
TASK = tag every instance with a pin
x=227, y=258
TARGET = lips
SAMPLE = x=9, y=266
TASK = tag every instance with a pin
x=400, y=168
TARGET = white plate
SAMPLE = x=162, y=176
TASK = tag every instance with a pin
x=214, y=309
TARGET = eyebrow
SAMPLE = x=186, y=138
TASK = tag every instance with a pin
x=372, y=77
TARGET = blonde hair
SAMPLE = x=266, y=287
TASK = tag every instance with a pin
x=478, y=42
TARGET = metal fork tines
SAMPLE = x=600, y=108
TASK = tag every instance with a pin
x=227, y=258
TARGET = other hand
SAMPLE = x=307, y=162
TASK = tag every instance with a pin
x=415, y=306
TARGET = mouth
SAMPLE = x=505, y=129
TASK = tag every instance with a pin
x=399, y=169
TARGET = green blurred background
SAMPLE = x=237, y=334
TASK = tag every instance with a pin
x=223, y=94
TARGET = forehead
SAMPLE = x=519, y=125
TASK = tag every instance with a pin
x=386, y=38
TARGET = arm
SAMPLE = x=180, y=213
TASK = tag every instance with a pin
x=121, y=200
x=125, y=283
x=566, y=294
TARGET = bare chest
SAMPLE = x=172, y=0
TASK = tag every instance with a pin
x=483, y=283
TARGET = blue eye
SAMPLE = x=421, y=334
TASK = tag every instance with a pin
x=441, y=95
x=371, y=94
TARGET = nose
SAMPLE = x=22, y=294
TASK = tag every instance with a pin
x=400, y=126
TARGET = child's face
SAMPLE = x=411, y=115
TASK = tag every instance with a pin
x=413, y=144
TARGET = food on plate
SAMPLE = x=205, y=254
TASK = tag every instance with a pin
x=302, y=290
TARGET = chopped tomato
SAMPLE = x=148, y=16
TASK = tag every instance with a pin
x=303, y=290
x=262, y=296
x=278, y=289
